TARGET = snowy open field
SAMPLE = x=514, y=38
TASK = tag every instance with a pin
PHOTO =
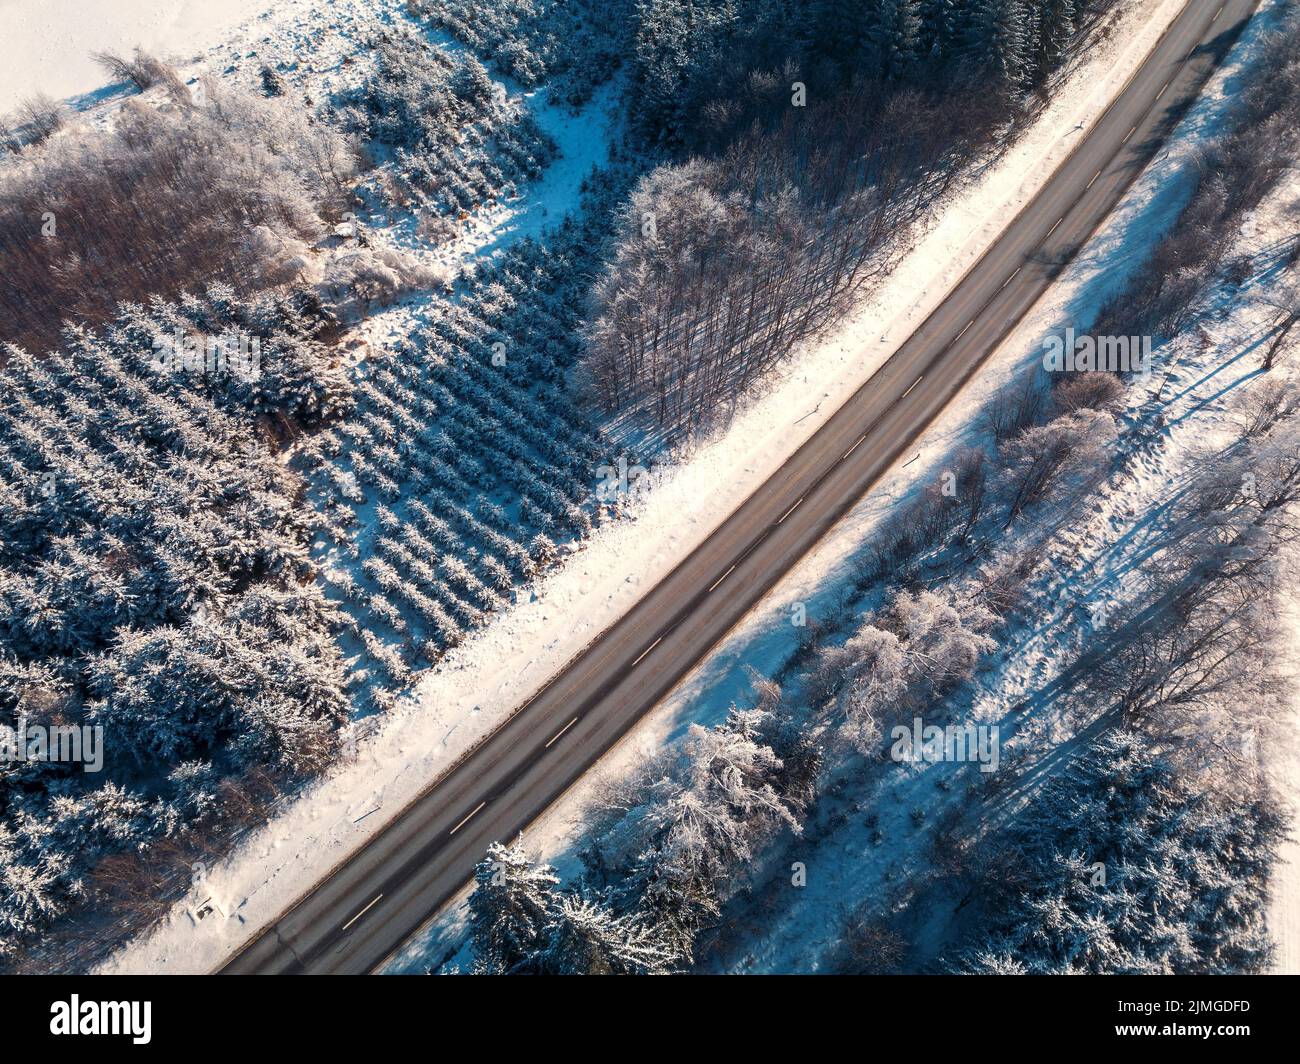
x=47, y=43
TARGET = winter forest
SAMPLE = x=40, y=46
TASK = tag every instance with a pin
x=318, y=357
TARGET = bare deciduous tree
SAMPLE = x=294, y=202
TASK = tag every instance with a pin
x=1285, y=304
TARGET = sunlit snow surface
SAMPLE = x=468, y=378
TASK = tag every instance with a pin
x=45, y=45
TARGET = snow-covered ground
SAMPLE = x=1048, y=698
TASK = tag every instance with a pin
x=47, y=43
x=478, y=684
x=1284, y=905
x=849, y=868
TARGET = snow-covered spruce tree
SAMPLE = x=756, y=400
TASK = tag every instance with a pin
x=996, y=43
x=937, y=34
x=1057, y=23
x=586, y=937
x=510, y=911
x=1122, y=865
x=841, y=27
x=675, y=857
x=892, y=38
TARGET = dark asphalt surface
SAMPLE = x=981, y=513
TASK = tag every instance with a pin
x=354, y=919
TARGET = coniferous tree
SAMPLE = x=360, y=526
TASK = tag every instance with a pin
x=1127, y=867
x=996, y=43
x=842, y=27
x=892, y=37
x=586, y=937
x=510, y=910
x=1056, y=25
x=939, y=23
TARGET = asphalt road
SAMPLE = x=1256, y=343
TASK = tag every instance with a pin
x=369, y=905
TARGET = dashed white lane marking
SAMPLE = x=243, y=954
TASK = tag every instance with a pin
x=661, y=638
x=363, y=912
x=467, y=818
x=720, y=579
x=557, y=735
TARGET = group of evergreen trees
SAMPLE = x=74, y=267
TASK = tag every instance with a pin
x=155, y=582
x=692, y=57
x=469, y=439
x=455, y=142
x=523, y=926
x=1123, y=865
x=659, y=867
x=157, y=572
x=572, y=46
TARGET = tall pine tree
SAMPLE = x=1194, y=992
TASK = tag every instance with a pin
x=585, y=937
x=995, y=43
x=892, y=37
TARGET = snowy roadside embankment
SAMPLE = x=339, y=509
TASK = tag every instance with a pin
x=477, y=685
